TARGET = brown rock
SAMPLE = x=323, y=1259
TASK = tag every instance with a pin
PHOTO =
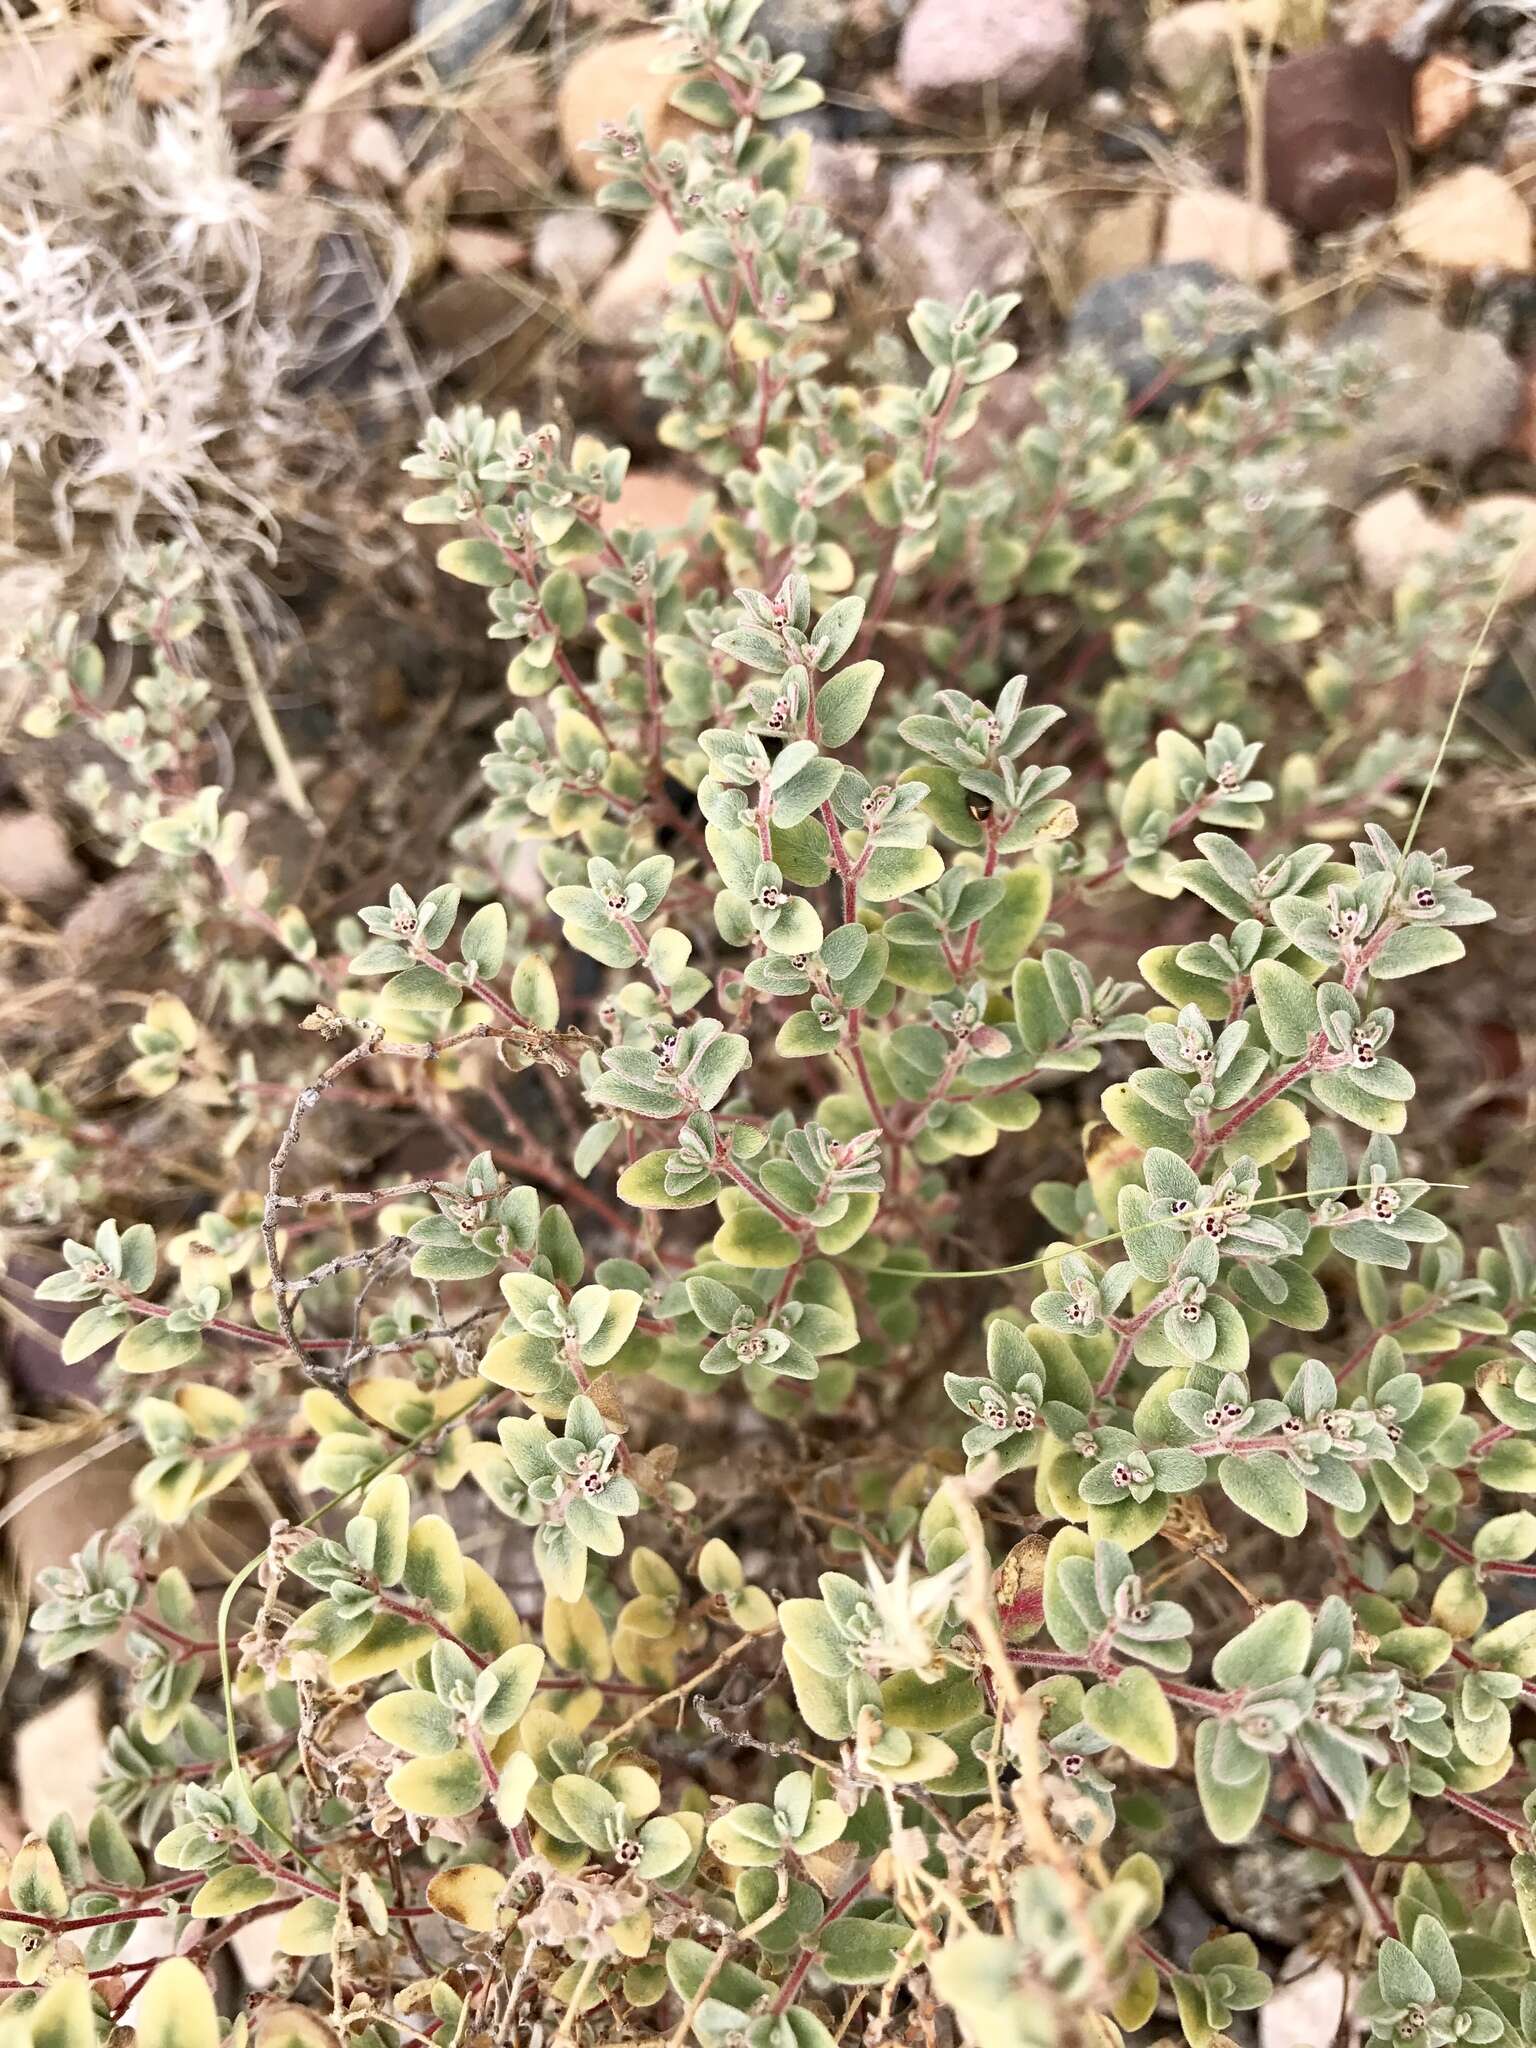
x=1444, y=94
x=633, y=292
x=465, y=312
x=1118, y=239
x=56, y=1500
x=1336, y=124
x=1234, y=234
x=500, y=136
x=1392, y=535
x=109, y=918
x=610, y=80
x=377, y=24
x=36, y=863
x=1470, y=220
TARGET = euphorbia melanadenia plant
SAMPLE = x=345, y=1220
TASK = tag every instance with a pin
x=904, y=1761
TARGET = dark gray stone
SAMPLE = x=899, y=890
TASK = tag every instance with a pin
x=452, y=51
x=808, y=27
x=1111, y=316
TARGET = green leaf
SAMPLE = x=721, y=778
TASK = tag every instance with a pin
x=842, y=705
x=175, y=2009
x=62, y=2017
x=36, y=1883
x=417, y=1722
x=1011, y=926
x=483, y=942
x=475, y=561
x=1265, y=1487
x=1275, y=1646
x=534, y=994
x=1133, y=1711
x=231, y=1891
x=899, y=870
x=1414, y=949
x=1279, y=1127
x=151, y=1347
x=307, y=1928
x=1287, y=1007
x=422, y=988
x=754, y=1238
x=1232, y=1811
x=434, y=1565
x=439, y=1787
x=113, y=1854
x=387, y=1504
x=862, y=1951
x=588, y=1809
x=644, y=1185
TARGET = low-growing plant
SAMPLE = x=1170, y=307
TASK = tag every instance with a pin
x=845, y=1696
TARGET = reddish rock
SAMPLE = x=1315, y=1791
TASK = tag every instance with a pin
x=1337, y=124
x=1444, y=94
x=959, y=53
x=377, y=24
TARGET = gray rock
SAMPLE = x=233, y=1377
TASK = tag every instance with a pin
x=1111, y=316
x=573, y=246
x=36, y=862
x=1452, y=395
x=940, y=239
x=848, y=179
x=1027, y=52
x=453, y=49
x=808, y=27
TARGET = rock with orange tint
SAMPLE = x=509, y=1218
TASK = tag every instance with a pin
x=1394, y=534
x=482, y=252
x=1226, y=230
x=1117, y=239
x=377, y=24
x=1444, y=94
x=608, y=82
x=1468, y=221
x=660, y=499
